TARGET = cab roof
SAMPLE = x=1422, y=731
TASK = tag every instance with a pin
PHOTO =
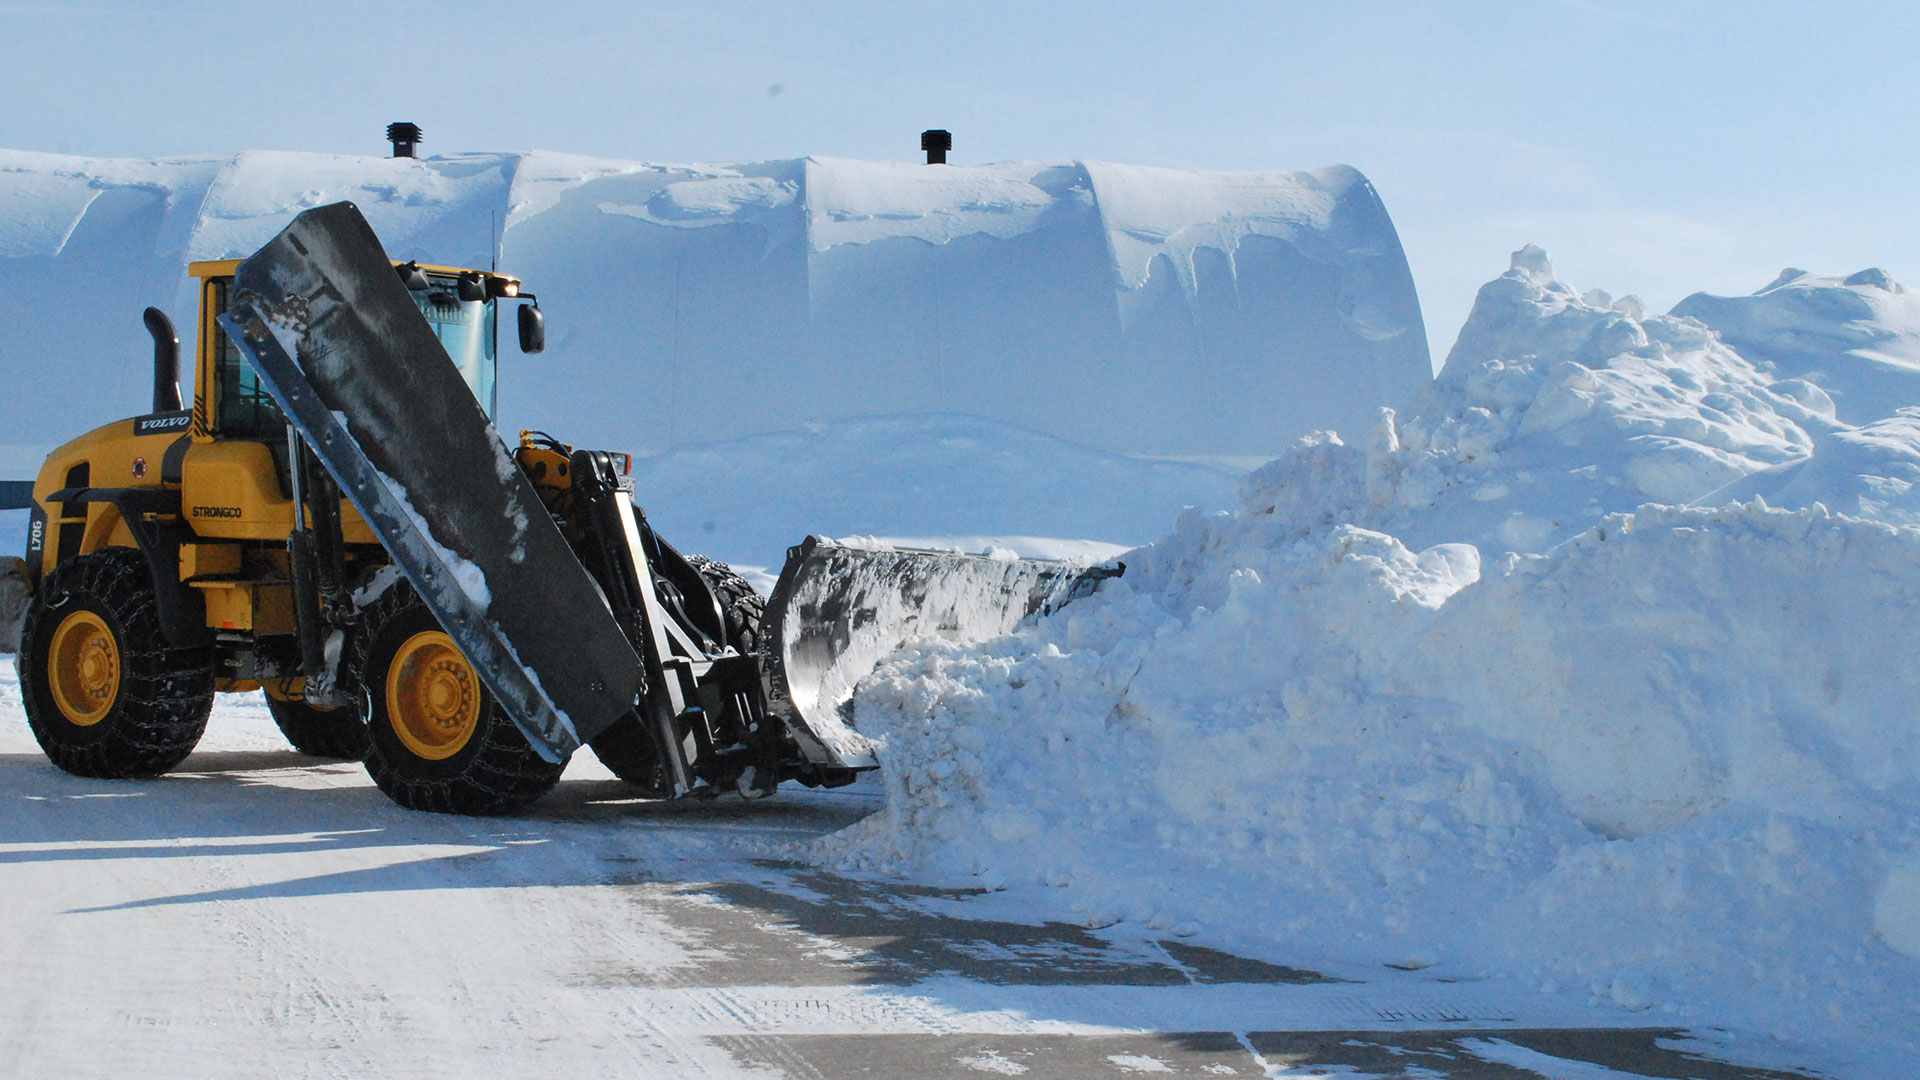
x=213, y=268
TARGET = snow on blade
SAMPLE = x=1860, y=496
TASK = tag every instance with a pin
x=471, y=579
x=843, y=606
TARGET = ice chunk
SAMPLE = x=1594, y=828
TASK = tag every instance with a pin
x=1532, y=260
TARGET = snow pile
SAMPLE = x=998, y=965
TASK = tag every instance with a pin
x=1435, y=701
x=1870, y=471
x=1858, y=337
x=1121, y=307
x=1554, y=410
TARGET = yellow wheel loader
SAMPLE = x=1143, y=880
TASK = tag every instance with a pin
x=336, y=521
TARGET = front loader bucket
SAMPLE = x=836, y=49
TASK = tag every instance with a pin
x=838, y=610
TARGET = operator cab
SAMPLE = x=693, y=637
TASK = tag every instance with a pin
x=460, y=305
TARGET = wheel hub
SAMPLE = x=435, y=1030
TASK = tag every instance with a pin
x=433, y=696
x=83, y=668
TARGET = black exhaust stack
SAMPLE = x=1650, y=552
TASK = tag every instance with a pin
x=403, y=136
x=166, y=361
x=936, y=143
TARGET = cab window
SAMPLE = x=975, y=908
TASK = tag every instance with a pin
x=465, y=330
x=244, y=410
x=242, y=407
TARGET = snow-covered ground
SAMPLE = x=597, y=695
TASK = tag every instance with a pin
x=257, y=913
x=1478, y=693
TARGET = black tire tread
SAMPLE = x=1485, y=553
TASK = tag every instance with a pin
x=743, y=607
x=627, y=750
x=166, y=693
x=497, y=773
x=340, y=734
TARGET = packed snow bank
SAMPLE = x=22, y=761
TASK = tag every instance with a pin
x=1592, y=768
x=1662, y=759
x=1122, y=307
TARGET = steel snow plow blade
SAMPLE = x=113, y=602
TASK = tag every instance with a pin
x=838, y=610
x=330, y=328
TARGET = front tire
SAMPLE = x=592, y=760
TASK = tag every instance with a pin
x=436, y=738
x=106, y=695
x=630, y=752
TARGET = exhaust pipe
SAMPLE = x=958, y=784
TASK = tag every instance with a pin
x=166, y=361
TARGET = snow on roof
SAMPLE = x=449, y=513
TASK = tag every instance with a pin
x=1128, y=308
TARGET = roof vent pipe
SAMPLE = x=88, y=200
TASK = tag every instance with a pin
x=936, y=143
x=403, y=136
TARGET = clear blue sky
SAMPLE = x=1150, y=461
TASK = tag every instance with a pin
x=1652, y=148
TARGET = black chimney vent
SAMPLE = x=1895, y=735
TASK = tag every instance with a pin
x=936, y=143
x=403, y=136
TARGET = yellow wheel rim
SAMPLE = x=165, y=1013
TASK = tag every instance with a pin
x=83, y=668
x=433, y=696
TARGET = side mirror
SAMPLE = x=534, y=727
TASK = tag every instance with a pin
x=533, y=329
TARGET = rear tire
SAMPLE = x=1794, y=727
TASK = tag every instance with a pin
x=317, y=731
x=436, y=738
x=105, y=694
x=628, y=749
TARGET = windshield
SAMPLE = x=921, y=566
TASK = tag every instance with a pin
x=465, y=329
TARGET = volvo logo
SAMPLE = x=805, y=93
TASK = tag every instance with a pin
x=162, y=423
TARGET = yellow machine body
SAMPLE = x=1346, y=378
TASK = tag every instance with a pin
x=234, y=497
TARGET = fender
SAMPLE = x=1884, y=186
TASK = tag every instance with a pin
x=182, y=610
